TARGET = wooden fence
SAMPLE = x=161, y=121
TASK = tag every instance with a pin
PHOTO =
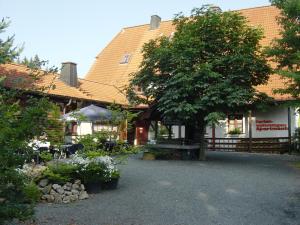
x=278, y=144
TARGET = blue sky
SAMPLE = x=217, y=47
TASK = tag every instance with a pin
x=77, y=30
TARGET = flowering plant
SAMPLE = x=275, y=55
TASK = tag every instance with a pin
x=100, y=168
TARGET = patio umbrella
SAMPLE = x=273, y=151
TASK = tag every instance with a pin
x=89, y=113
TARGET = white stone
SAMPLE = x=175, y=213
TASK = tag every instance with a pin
x=53, y=192
x=56, y=186
x=60, y=191
x=77, y=182
x=75, y=186
x=75, y=192
x=57, y=199
x=43, y=182
x=46, y=189
x=83, y=195
x=67, y=193
x=66, y=199
x=73, y=197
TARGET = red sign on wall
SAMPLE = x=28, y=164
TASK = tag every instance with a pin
x=266, y=125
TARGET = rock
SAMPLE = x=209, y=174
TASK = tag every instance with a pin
x=83, y=195
x=58, y=199
x=44, y=197
x=82, y=187
x=46, y=190
x=53, y=192
x=67, y=193
x=43, y=182
x=49, y=198
x=75, y=192
x=77, y=182
x=66, y=199
x=60, y=191
x=75, y=186
x=73, y=198
x=56, y=186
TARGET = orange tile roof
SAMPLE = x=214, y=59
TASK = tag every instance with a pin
x=108, y=70
x=20, y=76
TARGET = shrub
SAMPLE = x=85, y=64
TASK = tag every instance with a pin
x=94, y=154
x=32, y=192
x=46, y=156
x=60, y=173
x=89, y=142
x=96, y=169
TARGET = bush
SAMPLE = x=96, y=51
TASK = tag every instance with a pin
x=32, y=193
x=60, y=173
x=46, y=156
x=96, y=169
x=94, y=154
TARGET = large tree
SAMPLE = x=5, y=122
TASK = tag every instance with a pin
x=285, y=50
x=23, y=118
x=209, y=66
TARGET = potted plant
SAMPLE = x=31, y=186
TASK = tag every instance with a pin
x=97, y=173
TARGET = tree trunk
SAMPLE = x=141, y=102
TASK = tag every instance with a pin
x=201, y=139
x=202, y=154
x=196, y=133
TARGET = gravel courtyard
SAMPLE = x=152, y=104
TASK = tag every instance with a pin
x=227, y=189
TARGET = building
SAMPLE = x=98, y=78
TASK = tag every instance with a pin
x=122, y=56
x=109, y=75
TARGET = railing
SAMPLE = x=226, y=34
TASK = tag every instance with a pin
x=278, y=144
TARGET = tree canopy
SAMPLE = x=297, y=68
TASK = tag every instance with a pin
x=285, y=50
x=23, y=118
x=209, y=65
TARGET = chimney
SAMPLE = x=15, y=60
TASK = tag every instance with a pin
x=155, y=22
x=68, y=73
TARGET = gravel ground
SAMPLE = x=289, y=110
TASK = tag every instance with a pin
x=227, y=189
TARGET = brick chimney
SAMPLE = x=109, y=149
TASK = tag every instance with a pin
x=155, y=22
x=68, y=74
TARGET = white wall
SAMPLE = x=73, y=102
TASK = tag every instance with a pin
x=84, y=128
x=274, y=122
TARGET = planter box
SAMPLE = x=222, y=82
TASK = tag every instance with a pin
x=96, y=187
x=93, y=187
x=110, y=185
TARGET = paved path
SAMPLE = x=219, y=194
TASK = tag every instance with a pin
x=227, y=189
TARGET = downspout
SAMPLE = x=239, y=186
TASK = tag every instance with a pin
x=65, y=107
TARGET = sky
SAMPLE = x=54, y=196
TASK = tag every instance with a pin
x=77, y=30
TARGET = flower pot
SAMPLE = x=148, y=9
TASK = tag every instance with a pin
x=93, y=187
x=110, y=185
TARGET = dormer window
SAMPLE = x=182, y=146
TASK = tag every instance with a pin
x=125, y=59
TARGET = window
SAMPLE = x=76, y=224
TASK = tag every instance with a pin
x=235, y=123
x=125, y=59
